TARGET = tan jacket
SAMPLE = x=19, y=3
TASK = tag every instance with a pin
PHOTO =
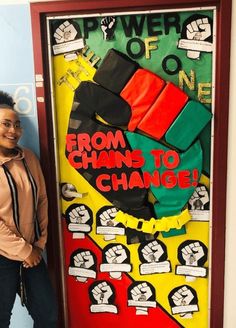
x=16, y=243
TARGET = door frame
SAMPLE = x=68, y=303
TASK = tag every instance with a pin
x=39, y=13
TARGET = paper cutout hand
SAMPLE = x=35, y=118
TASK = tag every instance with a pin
x=199, y=198
x=102, y=292
x=107, y=26
x=192, y=253
x=83, y=260
x=183, y=296
x=116, y=254
x=79, y=215
x=152, y=252
x=107, y=217
x=141, y=292
x=65, y=32
x=199, y=29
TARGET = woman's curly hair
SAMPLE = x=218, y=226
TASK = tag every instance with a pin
x=6, y=101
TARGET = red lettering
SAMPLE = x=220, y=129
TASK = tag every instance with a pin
x=184, y=179
x=153, y=179
x=135, y=180
x=72, y=161
x=105, y=160
x=122, y=181
x=157, y=153
x=115, y=140
x=195, y=178
x=83, y=140
x=123, y=159
x=70, y=142
x=117, y=159
x=168, y=179
x=137, y=158
x=171, y=159
x=89, y=159
x=99, y=140
x=100, y=182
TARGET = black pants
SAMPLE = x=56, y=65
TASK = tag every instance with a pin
x=41, y=302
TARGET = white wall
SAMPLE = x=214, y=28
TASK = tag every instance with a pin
x=17, y=77
x=17, y=70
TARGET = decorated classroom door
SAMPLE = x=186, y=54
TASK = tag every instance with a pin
x=133, y=113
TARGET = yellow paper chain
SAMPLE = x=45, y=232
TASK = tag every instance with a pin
x=153, y=225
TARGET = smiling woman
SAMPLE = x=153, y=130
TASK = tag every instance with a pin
x=10, y=127
x=23, y=225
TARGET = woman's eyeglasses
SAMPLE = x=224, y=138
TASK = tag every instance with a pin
x=7, y=125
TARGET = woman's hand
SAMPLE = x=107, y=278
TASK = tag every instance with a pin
x=34, y=258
